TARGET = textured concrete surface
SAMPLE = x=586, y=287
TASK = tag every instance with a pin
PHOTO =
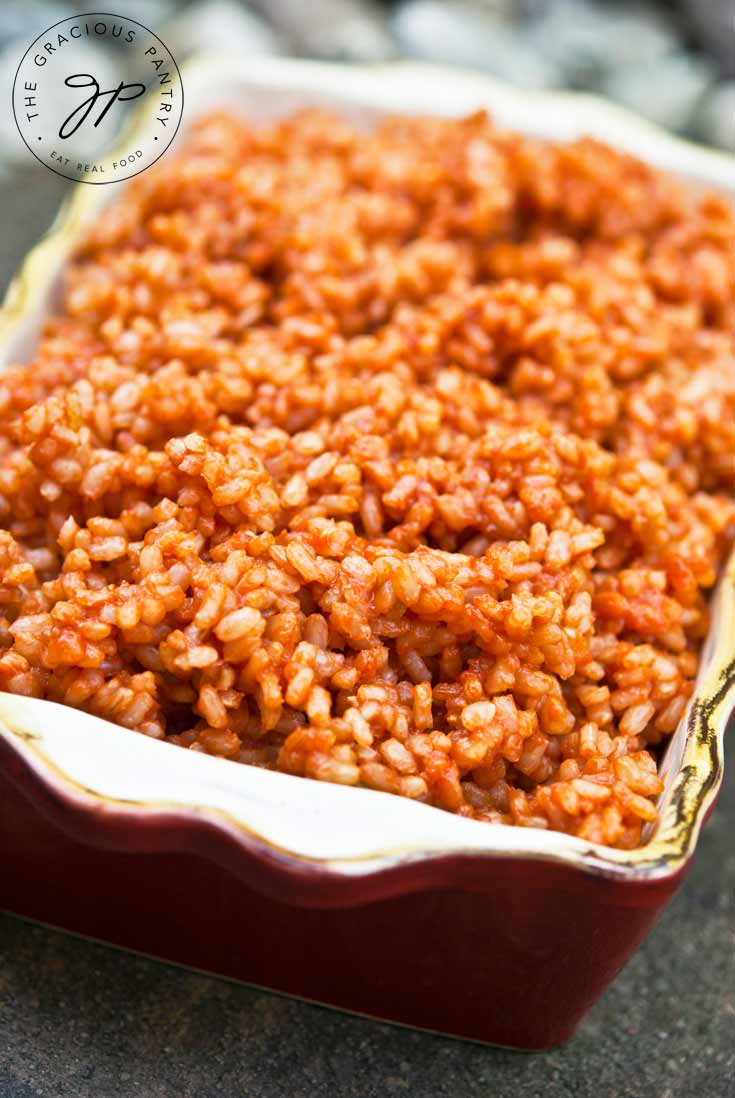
x=78, y=1020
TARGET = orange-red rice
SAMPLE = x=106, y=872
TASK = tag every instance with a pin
x=402, y=459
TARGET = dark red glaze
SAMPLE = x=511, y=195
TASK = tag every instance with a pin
x=510, y=951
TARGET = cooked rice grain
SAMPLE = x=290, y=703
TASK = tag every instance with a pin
x=401, y=459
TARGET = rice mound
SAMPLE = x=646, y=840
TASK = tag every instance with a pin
x=402, y=458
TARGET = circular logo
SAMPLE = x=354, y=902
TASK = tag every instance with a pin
x=79, y=85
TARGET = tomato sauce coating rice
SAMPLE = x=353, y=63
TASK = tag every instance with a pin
x=401, y=458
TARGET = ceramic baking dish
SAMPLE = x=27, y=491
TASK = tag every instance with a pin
x=496, y=933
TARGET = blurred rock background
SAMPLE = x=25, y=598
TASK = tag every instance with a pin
x=672, y=61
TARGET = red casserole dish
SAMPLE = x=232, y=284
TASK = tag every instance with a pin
x=498, y=934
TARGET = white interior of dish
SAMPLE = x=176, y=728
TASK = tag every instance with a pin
x=355, y=830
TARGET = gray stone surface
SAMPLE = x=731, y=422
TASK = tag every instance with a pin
x=667, y=90
x=222, y=25
x=588, y=39
x=29, y=199
x=715, y=122
x=79, y=1020
x=337, y=30
x=713, y=25
x=460, y=33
